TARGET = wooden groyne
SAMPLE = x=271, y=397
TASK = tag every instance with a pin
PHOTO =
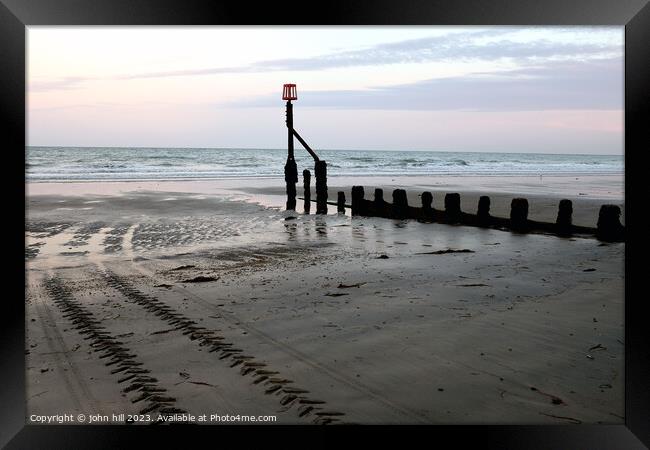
x=608, y=227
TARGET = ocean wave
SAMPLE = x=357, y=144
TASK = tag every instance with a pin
x=242, y=165
x=166, y=157
x=109, y=166
x=456, y=162
x=105, y=164
x=362, y=158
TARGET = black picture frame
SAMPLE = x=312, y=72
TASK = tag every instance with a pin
x=15, y=15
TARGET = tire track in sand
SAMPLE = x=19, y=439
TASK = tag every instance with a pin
x=127, y=367
x=333, y=373
x=77, y=387
x=274, y=383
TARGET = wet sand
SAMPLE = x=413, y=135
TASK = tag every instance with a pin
x=200, y=297
x=587, y=193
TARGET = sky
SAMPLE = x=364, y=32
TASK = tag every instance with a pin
x=479, y=89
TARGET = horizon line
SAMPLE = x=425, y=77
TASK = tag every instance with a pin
x=322, y=149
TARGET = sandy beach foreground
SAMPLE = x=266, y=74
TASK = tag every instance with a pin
x=201, y=297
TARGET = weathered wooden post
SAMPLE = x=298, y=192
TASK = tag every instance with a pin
x=519, y=214
x=609, y=226
x=306, y=182
x=427, y=209
x=379, y=204
x=563, y=222
x=340, y=202
x=452, y=207
x=400, y=204
x=320, y=168
x=483, y=212
x=290, y=169
x=379, y=195
x=357, y=200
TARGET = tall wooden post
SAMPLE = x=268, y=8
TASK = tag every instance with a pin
x=290, y=168
x=291, y=171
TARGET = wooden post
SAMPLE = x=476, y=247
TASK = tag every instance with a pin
x=564, y=221
x=400, y=204
x=290, y=168
x=379, y=205
x=427, y=209
x=483, y=212
x=320, y=168
x=452, y=207
x=379, y=195
x=306, y=182
x=519, y=214
x=357, y=200
x=291, y=178
x=340, y=202
x=609, y=226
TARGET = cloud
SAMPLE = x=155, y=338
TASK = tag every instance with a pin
x=483, y=45
x=57, y=84
x=451, y=47
x=594, y=84
x=184, y=73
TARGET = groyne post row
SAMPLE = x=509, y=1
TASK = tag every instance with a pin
x=608, y=228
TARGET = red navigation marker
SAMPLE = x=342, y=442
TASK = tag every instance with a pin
x=289, y=92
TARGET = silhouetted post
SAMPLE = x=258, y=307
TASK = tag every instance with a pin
x=289, y=93
x=340, y=202
x=357, y=200
x=427, y=210
x=379, y=204
x=306, y=182
x=400, y=204
x=519, y=214
x=290, y=168
x=609, y=226
x=483, y=212
x=564, y=221
x=452, y=207
x=320, y=168
x=291, y=178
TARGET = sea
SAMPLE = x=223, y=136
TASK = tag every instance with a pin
x=59, y=164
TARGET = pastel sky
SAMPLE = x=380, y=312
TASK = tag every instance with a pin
x=502, y=89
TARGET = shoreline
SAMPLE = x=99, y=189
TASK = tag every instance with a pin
x=594, y=186
x=586, y=193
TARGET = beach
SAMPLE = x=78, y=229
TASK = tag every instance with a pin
x=205, y=297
